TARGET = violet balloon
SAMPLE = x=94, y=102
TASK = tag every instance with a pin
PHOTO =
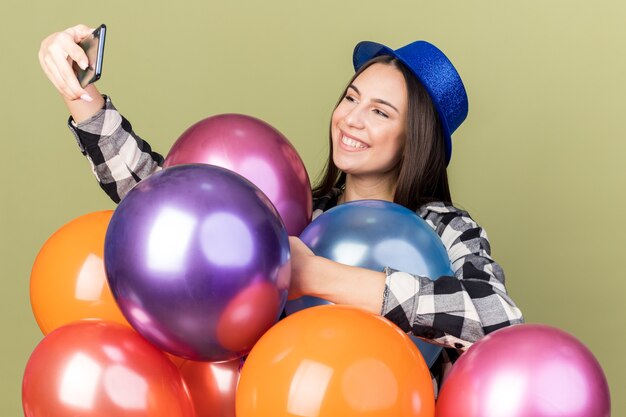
x=198, y=261
x=526, y=370
x=258, y=152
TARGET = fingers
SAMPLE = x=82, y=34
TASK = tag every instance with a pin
x=56, y=54
x=65, y=83
x=79, y=32
x=76, y=54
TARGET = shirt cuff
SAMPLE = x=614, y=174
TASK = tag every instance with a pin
x=89, y=131
x=400, y=299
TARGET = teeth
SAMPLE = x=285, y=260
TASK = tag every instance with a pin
x=353, y=143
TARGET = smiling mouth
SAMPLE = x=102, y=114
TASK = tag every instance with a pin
x=352, y=143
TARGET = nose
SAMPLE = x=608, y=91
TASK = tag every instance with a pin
x=354, y=118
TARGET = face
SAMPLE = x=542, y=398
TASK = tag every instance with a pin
x=369, y=124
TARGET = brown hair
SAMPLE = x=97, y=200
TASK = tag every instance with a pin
x=422, y=176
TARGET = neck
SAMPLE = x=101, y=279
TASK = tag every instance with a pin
x=358, y=188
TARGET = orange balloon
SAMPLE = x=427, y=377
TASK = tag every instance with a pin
x=101, y=369
x=331, y=361
x=212, y=386
x=68, y=281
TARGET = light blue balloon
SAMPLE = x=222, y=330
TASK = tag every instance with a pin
x=375, y=234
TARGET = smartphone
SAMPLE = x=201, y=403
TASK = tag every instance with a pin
x=93, y=45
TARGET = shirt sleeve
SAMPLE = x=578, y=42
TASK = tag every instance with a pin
x=456, y=311
x=119, y=158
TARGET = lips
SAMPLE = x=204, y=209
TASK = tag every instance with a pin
x=352, y=143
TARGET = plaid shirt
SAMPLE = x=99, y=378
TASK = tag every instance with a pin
x=452, y=312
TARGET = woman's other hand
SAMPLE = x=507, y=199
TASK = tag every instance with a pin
x=301, y=256
x=338, y=283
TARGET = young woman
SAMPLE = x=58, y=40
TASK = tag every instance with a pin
x=390, y=139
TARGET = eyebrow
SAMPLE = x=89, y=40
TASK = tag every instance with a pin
x=377, y=100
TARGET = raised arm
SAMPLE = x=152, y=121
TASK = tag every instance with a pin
x=119, y=157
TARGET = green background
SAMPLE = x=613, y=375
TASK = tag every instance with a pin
x=539, y=161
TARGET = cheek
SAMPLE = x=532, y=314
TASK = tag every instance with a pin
x=396, y=146
x=335, y=120
x=338, y=114
x=401, y=144
x=390, y=137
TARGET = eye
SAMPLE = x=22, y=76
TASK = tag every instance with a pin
x=381, y=113
x=350, y=98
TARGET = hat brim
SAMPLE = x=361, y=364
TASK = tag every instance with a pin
x=366, y=50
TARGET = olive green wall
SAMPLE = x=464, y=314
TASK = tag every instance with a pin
x=539, y=161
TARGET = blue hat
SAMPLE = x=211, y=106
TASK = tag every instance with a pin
x=436, y=73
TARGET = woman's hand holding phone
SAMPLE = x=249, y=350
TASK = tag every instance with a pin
x=57, y=54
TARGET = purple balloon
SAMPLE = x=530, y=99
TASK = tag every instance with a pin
x=526, y=370
x=198, y=261
x=258, y=152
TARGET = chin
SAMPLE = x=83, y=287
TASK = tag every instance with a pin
x=342, y=165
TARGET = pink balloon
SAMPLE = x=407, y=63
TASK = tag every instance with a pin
x=526, y=370
x=256, y=151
